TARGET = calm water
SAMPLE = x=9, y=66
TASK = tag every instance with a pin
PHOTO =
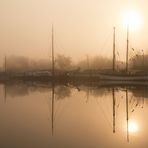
x=67, y=116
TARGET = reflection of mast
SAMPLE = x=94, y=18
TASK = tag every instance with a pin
x=5, y=64
x=52, y=109
x=53, y=89
x=127, y=117
x=143, y=97
x=5, y=93
x=87, y=94
x=114, y=115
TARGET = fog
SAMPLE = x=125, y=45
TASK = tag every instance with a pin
x=80, y=28
x=62, y=63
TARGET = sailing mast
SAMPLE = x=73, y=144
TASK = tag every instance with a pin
x=52, y=53
x=114, y=48
x=127, y=49
x=53, y=86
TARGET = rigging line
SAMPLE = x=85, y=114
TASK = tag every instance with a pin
x=56, y=114
x=49, y=45
x=109, y=35
x=131, y=98
x=58, y=106
x=117, y=45
x=62, y=110
x=49, y=105
x=104, y=114
x=59, y=45
x=56, y=109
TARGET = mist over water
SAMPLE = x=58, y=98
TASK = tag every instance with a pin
x=73, y=74
x=77, y=115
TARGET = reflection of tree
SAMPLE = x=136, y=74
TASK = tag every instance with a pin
x=94, y=90
x=17, y=90
x=138, y=97
x=22, y=89
x=98, y=92
x=40, y=89
x=62, y=92
x=139, y=91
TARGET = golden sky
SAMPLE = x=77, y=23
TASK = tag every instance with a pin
x=81, y=27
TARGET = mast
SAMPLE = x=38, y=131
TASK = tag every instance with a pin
x=87, y=59
x=114, y=114
x=88, y=65
x=143, y=60
x=127, y=49
x=114, y=48
x=53, y=66
x=53, y=89
x=87, y=94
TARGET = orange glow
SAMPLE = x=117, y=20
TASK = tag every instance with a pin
x=133, y=19
x=133, y=127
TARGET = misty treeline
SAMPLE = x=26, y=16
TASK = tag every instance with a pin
x=62, y=62
x=66, y=63
x=21, y=64
x=139, y=62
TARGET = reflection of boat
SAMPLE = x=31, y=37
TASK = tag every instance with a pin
x=114, y=112
x=119, y=83
x=128, y=101
x=123, y=77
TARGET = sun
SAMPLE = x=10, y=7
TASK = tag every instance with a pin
x=132, y=19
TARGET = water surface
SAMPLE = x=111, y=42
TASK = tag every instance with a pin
x=73, y=116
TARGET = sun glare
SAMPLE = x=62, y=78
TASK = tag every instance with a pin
x=133, y=127
x=132, y=19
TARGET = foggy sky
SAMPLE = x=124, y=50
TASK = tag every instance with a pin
x=81, y=27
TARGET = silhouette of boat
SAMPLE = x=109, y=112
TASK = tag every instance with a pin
x=126, y=76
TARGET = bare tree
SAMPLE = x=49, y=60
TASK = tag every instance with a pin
x=63, y=62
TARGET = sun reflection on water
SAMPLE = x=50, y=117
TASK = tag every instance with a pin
x=133, y=127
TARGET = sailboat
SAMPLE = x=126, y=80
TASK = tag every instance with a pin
x=122, y=77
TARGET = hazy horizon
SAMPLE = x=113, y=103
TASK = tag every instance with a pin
x=81, y=27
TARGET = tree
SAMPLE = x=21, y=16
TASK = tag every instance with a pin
x=63, y=62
